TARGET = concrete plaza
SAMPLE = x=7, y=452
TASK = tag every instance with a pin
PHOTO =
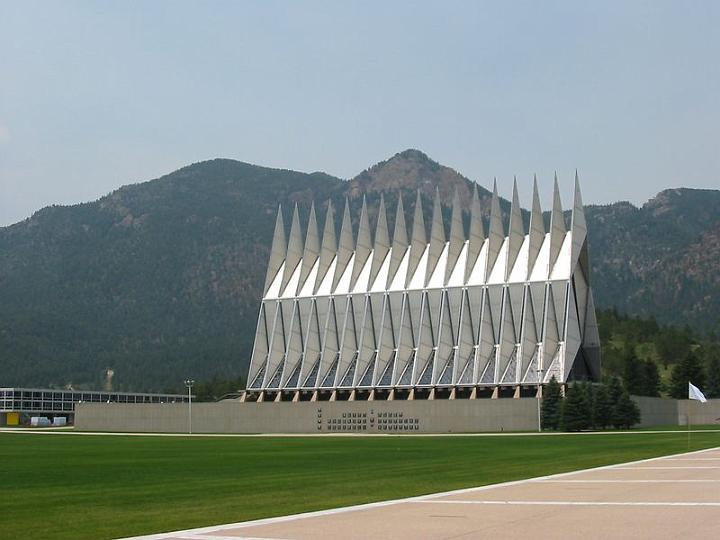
x=668, y=497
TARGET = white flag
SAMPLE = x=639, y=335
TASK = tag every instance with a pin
x=695, y=393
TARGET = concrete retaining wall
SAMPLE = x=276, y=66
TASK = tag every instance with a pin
x=657, y=411
x=418, y=416
x=426, y=416
x=674, y=412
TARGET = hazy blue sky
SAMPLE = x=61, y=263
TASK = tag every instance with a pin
x=94, y=95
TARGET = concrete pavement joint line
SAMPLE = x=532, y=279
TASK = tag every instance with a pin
x=626, y=481
x=680, y=468
x=576, y=503
x=381, y=504
x=221, y=537
x=694, y=459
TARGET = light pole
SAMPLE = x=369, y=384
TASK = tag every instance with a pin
x=539, y=397
x=189, y=383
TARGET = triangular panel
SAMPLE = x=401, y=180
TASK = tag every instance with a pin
x=537, y=295
x=457, y=238
x=437, y=238
x=294, y=253
x=487, y=340
x=328, y=248
x=496, y=235
x=313, y=345
x=294, y=337
x=350, y=334
x=466, y=338
x=406, y=343
x=386, y=339
x=345, y=247
x=559, y=296
x=418, y=241
x=382, y=242
x=368, y=337
x=447, y=332
x=277, y=251
x=557, y=227
x=312, y=248
x=529, y=335
x=536, y=235
x=573, y=338
x=261, y=346
x=399, y=242
x=363, y=247
x=516, y=231
x=507, y=337
x=277, y=342
x=477, y=235
x=578, y=226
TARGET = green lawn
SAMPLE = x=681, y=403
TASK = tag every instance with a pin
x=90, y=487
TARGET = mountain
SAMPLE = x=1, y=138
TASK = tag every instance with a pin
x=661, y=259
x=161, y=280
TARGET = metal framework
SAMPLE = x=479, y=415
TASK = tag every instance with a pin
x=469, y=311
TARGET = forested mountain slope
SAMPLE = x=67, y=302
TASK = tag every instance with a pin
x=161, y=280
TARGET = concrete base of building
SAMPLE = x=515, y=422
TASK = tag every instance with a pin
x=393, y=394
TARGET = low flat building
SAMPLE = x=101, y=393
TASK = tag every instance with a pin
x=18, y=405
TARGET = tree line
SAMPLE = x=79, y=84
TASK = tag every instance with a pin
x=655, y=360
x=588, y=406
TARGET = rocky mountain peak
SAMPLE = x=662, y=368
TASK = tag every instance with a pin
x=412, y=170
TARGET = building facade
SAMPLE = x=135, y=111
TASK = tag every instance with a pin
x=18, y=405
x=407, y=317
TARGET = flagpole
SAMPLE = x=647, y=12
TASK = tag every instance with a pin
x=688, y=423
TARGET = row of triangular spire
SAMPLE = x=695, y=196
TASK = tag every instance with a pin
x=293, y=251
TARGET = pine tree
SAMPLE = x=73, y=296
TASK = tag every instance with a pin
x=575, y=409
x=713, y=377
x=633, y=373
x=626, y=412
x=589, y=392
x=602, y=407
x=651, y=379
x=615, y=389
x=688, y=370
x=551, y=404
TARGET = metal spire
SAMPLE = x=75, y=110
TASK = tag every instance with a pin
x=537, y=228
x=277, y=251
x=418, y=241
x=557, y=227
x=382, y=242
x=363, y=247
x=578, y=225
x=329, y=246
x=345, y=248
x=477, y=234
x=496, y=236
x=516, y=231
x=312, y=248
x=399, y=242
x=437, y=237
x=457, y=237
x=294, y=252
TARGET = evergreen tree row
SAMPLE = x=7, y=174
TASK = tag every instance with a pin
x=637, y=349
x=587, y=406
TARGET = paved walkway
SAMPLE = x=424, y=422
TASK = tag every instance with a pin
x=669, y=497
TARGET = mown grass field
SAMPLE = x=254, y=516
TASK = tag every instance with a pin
x=93, y=487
